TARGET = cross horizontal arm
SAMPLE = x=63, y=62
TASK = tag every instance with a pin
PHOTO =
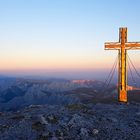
x=117, y=45
x=132, y=45
x=112, y=45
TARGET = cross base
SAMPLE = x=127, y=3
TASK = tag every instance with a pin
x=123, y=96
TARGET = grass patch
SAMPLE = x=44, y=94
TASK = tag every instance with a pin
x=37, y=126
x=76, y=107
x=18, y=117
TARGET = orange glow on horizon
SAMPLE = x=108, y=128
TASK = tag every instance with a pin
x=23, y=64
x=27, y=64
x=27, y=60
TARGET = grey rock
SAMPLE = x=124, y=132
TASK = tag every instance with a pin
x=54, y=138
x=114, y=120
x=84, y=132
x=138, y=113
x=95, y=131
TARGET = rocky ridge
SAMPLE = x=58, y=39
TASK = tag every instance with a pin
x=72, y=122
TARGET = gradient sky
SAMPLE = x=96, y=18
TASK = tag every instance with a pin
x=64, y=36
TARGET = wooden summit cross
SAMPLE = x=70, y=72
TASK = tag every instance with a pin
x=122, y=46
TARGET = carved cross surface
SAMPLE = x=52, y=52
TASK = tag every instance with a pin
x=122, y=46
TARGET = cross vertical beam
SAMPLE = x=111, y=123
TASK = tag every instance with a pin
x=122, y=46
x=123, y=74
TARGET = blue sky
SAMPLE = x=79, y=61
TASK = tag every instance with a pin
x=64, y=35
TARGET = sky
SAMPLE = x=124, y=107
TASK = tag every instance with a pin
x=64, y=38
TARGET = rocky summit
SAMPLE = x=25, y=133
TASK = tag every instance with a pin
x=72, y=122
